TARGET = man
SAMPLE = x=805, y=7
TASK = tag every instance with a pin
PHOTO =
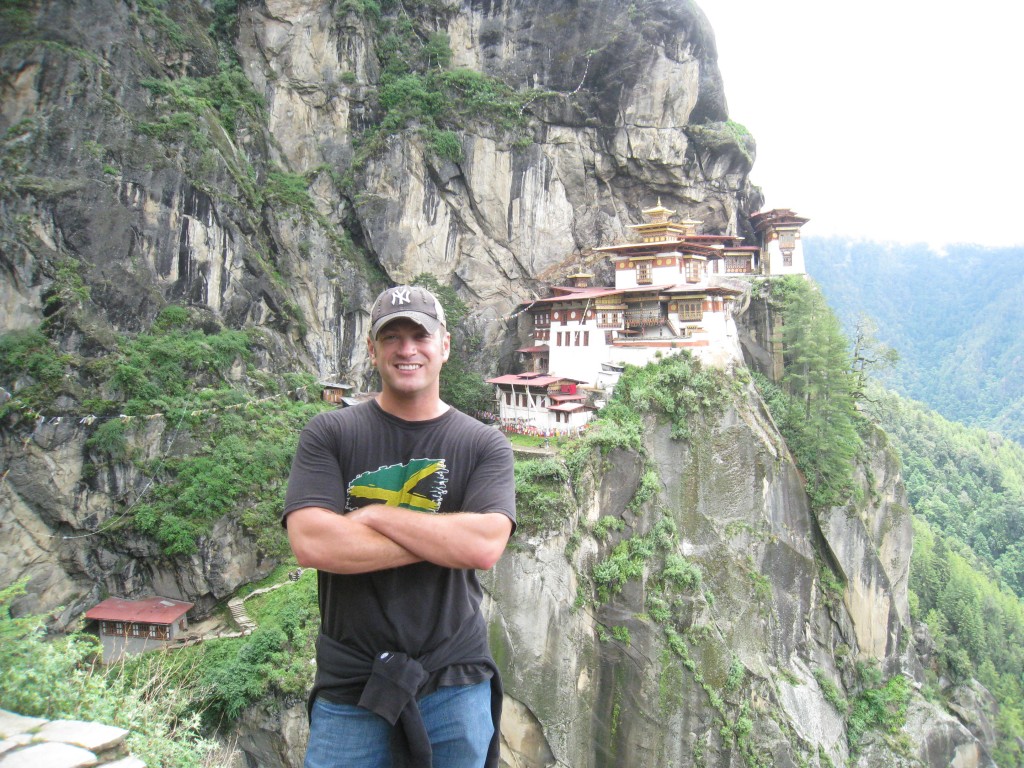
x=396, y=501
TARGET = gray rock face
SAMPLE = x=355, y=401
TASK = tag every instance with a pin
x=766, y=639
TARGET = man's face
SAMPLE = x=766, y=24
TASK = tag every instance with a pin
x=408, y=358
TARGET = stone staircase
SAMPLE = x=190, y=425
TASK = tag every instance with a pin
x=237, y=608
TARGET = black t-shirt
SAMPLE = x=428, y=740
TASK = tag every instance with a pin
x=361, y=455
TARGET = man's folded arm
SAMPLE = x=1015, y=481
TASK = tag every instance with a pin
x=336, y=543
x=453, y=540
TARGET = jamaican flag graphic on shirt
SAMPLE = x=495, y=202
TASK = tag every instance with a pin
x=418, y=485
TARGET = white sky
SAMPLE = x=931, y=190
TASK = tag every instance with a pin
x=885, y=120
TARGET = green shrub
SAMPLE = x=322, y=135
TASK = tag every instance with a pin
x=228, y=94
x=815, y=408
x=881, y=706
x=605, y=525
x=681, y=573
x=446, y=145
x=541, y=498
x=110, y=438
x=830, y=691
x=676, y=387
x=289, y=189
x=30, y=354
x=241, y=472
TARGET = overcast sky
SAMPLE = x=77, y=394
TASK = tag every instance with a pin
x=896, y=120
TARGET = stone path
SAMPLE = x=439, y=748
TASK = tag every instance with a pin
x=33, y=742
x=241, y=618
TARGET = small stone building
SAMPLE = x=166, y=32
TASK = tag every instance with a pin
x=135, y=626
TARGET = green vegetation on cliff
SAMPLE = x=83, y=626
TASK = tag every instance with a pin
x=418, y=89
x=229, y=432
x=966, y=487
x=815, y=408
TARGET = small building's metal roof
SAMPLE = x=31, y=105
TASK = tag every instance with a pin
x=152, y=610
x=532, y=380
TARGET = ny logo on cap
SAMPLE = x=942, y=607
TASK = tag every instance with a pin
x=400, y=296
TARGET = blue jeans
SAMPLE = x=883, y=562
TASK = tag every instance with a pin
x=457, y=719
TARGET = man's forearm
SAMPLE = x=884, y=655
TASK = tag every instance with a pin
x=453, y=540
x=336, y=543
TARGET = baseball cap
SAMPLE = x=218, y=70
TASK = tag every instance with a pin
x=409, y=301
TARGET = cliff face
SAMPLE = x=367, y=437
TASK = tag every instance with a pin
x=744, y=666
x=161, y=154
x=227, y=160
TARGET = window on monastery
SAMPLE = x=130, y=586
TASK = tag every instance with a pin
x=586, y=338
x=576, y=340
x=692, y=271
x=152, y=630
x=787, y=257
x=607, y=337
x=118, y=628
x=737, y=264
x=508, y=398
x=690, y=311
x=643, y=273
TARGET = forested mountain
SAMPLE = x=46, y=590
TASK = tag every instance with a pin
x=966, y=488
x=954, y=318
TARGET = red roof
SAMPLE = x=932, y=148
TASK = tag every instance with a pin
x=577, y=294
x=152, y=610
x=533, y=349
x=531, y=380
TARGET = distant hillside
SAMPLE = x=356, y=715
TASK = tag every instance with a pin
x=966, y=488
x=956, y=320
x=963, y=481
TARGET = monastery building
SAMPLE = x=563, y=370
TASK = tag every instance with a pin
x=674, y=290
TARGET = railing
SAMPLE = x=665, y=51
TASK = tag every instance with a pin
x=645, y=317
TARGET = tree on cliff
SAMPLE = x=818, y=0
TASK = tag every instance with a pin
x=816, y=408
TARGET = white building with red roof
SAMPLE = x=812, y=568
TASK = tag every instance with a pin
x=545, y=404
x=135, y=626
x=674, y=290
